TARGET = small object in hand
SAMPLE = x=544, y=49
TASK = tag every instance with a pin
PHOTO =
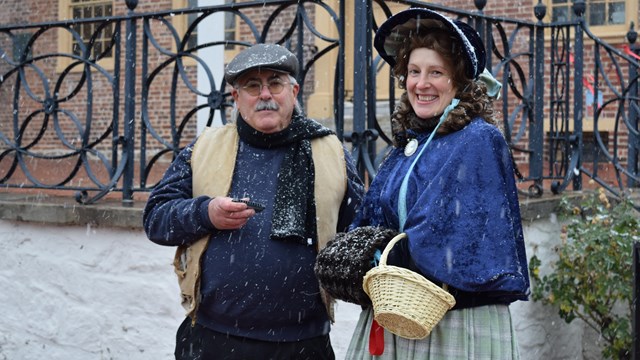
x=254, y=205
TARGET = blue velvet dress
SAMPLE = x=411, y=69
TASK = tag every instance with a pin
x=463, y=218
x=464, y=229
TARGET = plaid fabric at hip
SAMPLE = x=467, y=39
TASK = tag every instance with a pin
x=479, y=333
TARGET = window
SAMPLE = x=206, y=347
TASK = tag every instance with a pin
x=598, y=12
x=229, y=27
x=229, y=23
x=193, y=37
x=86, y=9
x=20, y=44
x=591, y=147
x=181, y=24
x=605, y=17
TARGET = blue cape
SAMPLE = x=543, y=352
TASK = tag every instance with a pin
x=463, y=217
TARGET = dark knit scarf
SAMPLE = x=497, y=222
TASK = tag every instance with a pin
x=294, y=213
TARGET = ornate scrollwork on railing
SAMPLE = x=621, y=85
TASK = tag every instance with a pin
x=560, y=139
x=288, y=23
x=512, y=46
x=66, y=129
x=511, y=59
x=615, y=100
x=57, y=131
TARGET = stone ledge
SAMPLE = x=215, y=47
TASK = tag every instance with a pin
x=48, y=209
x=532, y=209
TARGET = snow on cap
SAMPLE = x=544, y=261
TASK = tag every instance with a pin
x=262, y=56
x=393, y=33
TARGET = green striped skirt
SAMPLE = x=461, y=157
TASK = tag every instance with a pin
x=484, y=332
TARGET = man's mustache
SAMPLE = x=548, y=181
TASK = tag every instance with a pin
x=267, y=105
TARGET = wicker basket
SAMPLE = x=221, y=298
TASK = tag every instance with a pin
x=404, y=302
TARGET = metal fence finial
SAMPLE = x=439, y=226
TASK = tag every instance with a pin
x=632, y=35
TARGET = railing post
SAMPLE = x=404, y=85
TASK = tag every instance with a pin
x=484, y=30
x=338, y=94
x=634, y=93
x=129, y=106
x=361, y=73
x=536, y=127
x=578, y=108
x=635, y=318
x=299, y=51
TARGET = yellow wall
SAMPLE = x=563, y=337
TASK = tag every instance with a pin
x=320, y=104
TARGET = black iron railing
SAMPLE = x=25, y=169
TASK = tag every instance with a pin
x=108, y=117
x=635, y=319
x=543, y=69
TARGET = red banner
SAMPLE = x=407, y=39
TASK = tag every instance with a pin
x=630, y=52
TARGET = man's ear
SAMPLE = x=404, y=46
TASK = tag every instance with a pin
x=296, y=89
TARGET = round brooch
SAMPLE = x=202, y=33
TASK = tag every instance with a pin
x=411, y=147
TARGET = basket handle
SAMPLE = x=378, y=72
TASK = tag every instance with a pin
x=387, y=249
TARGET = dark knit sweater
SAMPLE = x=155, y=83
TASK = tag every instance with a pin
x=251, y=286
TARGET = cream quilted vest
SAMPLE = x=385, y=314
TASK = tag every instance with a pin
x=212, y=163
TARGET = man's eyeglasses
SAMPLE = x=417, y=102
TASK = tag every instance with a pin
x=254, y=87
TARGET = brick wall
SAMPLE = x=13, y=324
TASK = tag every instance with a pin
x=523, y=10
x=159, y=102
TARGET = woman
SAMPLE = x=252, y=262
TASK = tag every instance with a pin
x=449, y=185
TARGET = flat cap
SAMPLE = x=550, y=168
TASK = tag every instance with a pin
x=261, y=56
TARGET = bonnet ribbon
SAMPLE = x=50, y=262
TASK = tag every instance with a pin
x=402, y=198
x=376, y=333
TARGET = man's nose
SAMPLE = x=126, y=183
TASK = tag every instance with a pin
x=264, y=91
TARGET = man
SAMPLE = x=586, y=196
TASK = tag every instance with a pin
x=249, y=205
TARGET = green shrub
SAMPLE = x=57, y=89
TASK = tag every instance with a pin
x=592, y=278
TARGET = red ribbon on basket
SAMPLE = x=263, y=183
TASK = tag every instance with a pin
x=376, y=339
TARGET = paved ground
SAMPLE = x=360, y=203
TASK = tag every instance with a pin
x=346, y=318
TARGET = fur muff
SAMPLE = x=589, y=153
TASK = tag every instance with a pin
x=342, y=264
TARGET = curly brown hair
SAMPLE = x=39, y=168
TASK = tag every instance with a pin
x=474, y=101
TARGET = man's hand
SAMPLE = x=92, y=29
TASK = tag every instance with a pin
x=228, y=215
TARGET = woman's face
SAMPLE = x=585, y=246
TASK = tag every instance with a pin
x=429, y=85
